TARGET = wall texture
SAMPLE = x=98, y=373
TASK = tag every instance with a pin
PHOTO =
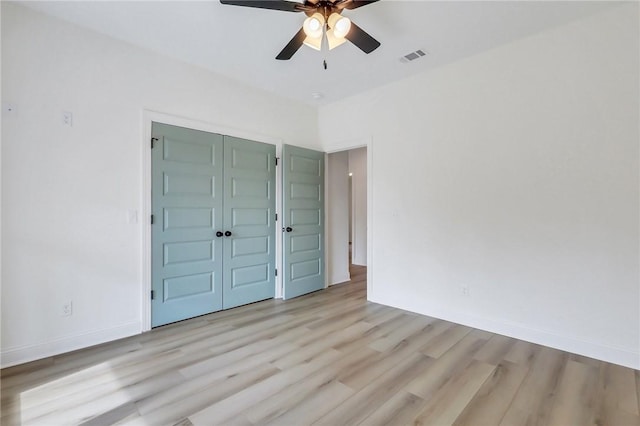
x=513, y=174
x=68, y=193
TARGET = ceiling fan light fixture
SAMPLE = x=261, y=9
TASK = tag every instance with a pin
x=334, y=41
x=314, y=25
x=314, y=43
x=325, y=19
x=340, y=25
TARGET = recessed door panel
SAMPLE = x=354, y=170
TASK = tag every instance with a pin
x=252, y=161
x=305, y=269
x=250, y=245
x=188, y=217
x=303, y=225
x=303, y=243
x=304, y=191
x=188, y=286
x=254, y=275
x=251, y=216
x=190, y=251
x=305, y=217
x=184, y=149
x=249, y=188
x=178, y=184
x=306, y=166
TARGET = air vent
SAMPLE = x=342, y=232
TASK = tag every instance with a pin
x=413, y=56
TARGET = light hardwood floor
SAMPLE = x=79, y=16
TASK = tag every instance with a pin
x=330, y=358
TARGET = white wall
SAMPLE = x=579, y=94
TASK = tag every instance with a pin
x=338, y=217
x=358, y=167
x=1, y=120
x=515, y=173
x=67, y=191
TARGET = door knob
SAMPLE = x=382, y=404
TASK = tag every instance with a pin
x=227, y=233
x=289, y=229
x=219, y=234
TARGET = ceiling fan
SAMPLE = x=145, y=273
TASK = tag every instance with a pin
x=324, y=21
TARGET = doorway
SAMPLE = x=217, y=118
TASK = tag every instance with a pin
x=347, y=215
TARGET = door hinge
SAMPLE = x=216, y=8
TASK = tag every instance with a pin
x=152, y=219
x=152, y=141
x=276, y=217
x=276, y=272
x=276, y=161
x=153, y=294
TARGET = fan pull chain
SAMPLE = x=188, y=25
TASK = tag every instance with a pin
x=325, y=43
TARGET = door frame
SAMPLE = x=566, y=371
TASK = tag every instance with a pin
x=348, y=145
x=150, y=116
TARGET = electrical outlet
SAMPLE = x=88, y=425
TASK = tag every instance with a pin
x=464, y=290
x=67, y=308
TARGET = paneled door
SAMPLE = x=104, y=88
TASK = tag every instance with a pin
x=187, y=178
x=303, y=220
x=249, y=220
x=213, y=231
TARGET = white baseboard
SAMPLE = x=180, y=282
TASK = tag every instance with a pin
x=615, y=355
x=19, y=355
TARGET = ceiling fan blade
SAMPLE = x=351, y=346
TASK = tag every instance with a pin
x=287, y=6
x=362, y=39
x=292, y=47
x=353, y=4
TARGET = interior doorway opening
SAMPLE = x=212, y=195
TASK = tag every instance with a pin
x=347, y=215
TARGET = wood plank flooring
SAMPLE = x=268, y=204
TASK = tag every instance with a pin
x=329, y=358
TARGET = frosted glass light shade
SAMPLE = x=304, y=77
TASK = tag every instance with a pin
x=340, y=25
x=334, y=41
x=314, y=43
x=313, y=26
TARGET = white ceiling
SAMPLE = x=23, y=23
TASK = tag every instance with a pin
x=241, y=43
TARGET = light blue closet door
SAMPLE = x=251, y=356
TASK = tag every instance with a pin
x=303, y=220
x=187, y=177
x=249, y=221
